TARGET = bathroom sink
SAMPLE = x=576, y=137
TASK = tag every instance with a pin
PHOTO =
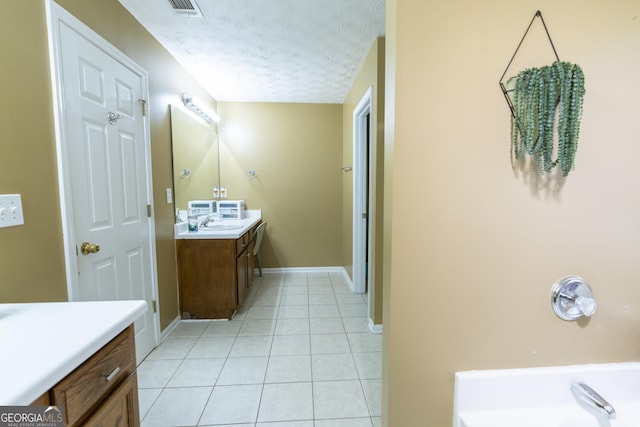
x=535, y=397
x=220, y=227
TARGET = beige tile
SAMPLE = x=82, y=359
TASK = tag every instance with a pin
x=362, y=342
x=251, y=346
x=353, y=310
x=156, y=373
x=286, y=402
x=339, y=399
x=320, y=289
x=331, y=367
x=189, y=328
x=292, y=327
x=232, y=405
x=262, y=312
x=329, y=344
x=177, y=407
x=308, y=423
x=369, y=365
x=288, y=345
x=257, y=327
x=293, y=312
x=355, y=324
x=222, y=328
x=294, y=299
x=287, y=369
x=211, y=348
x=326, y=325
x=146, y=398
x=197, y=373
x=344, y=422
x=372, y=392
x=243, y=370
x=323, y=310
x=173, y=348
x=327, y=298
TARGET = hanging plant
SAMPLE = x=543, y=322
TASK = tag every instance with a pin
x=537, y=94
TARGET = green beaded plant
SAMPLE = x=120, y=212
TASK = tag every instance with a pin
x=537, y=94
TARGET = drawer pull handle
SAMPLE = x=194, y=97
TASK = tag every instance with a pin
x=113, y=374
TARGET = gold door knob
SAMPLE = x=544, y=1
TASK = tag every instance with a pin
x=89, y=248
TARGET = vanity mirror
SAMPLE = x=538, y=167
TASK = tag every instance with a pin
x=196, y=169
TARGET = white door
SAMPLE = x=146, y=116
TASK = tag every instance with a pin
x=361, y=194
x=108, y=170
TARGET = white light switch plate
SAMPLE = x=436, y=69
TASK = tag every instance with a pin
x=11, y=210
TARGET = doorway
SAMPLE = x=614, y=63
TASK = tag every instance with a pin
x=362, y=197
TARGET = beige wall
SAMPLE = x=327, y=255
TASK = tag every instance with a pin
x=32, y=255
x=477, y=245
x=389, y=141
x=296, y=151
x=371, y=75
x=31, y=258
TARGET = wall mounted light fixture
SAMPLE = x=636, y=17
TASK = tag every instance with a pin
x=195, y=105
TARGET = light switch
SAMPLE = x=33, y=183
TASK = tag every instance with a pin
x=169, y=196
x=11, y=210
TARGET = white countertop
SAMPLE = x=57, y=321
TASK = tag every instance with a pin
x=43, y=342
x=239, y=227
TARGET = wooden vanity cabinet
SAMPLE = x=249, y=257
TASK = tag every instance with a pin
x=214, y=275
x=103, y=391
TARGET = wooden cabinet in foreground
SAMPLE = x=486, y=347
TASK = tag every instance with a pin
x=102, y=391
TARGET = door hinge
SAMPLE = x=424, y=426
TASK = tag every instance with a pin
x=154, y=305
x=145, y=109
x=148, y=211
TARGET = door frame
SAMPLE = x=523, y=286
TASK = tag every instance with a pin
x=56, y=15
x=362, y=175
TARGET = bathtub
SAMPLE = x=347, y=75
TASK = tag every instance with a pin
x=542, y=397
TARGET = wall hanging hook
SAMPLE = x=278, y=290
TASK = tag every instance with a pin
x=506, y=91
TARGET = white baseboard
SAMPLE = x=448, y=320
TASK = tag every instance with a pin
x=302, y=270
x=375, y=329
x=167, y=331
x=348, y=279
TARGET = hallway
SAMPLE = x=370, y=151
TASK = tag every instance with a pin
x=298, y=354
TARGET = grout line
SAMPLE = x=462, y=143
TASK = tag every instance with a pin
x=281, y=286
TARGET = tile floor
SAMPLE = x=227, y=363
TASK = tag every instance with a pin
x=297, y=354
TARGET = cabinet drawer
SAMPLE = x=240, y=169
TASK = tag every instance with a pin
x=92, y=381
x=121, y=409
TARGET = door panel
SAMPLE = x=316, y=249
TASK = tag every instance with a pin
x=130, y=194
x=107, y=158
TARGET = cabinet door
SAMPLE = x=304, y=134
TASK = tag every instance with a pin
x=207, y=278
x=242, y=264
x=121, y=409
x=251, y=263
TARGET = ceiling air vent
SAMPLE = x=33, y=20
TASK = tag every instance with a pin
x=186, y=7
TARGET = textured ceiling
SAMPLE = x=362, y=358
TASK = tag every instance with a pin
x=306, y=51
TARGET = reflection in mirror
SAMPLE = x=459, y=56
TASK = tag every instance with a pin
x=196, y=169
